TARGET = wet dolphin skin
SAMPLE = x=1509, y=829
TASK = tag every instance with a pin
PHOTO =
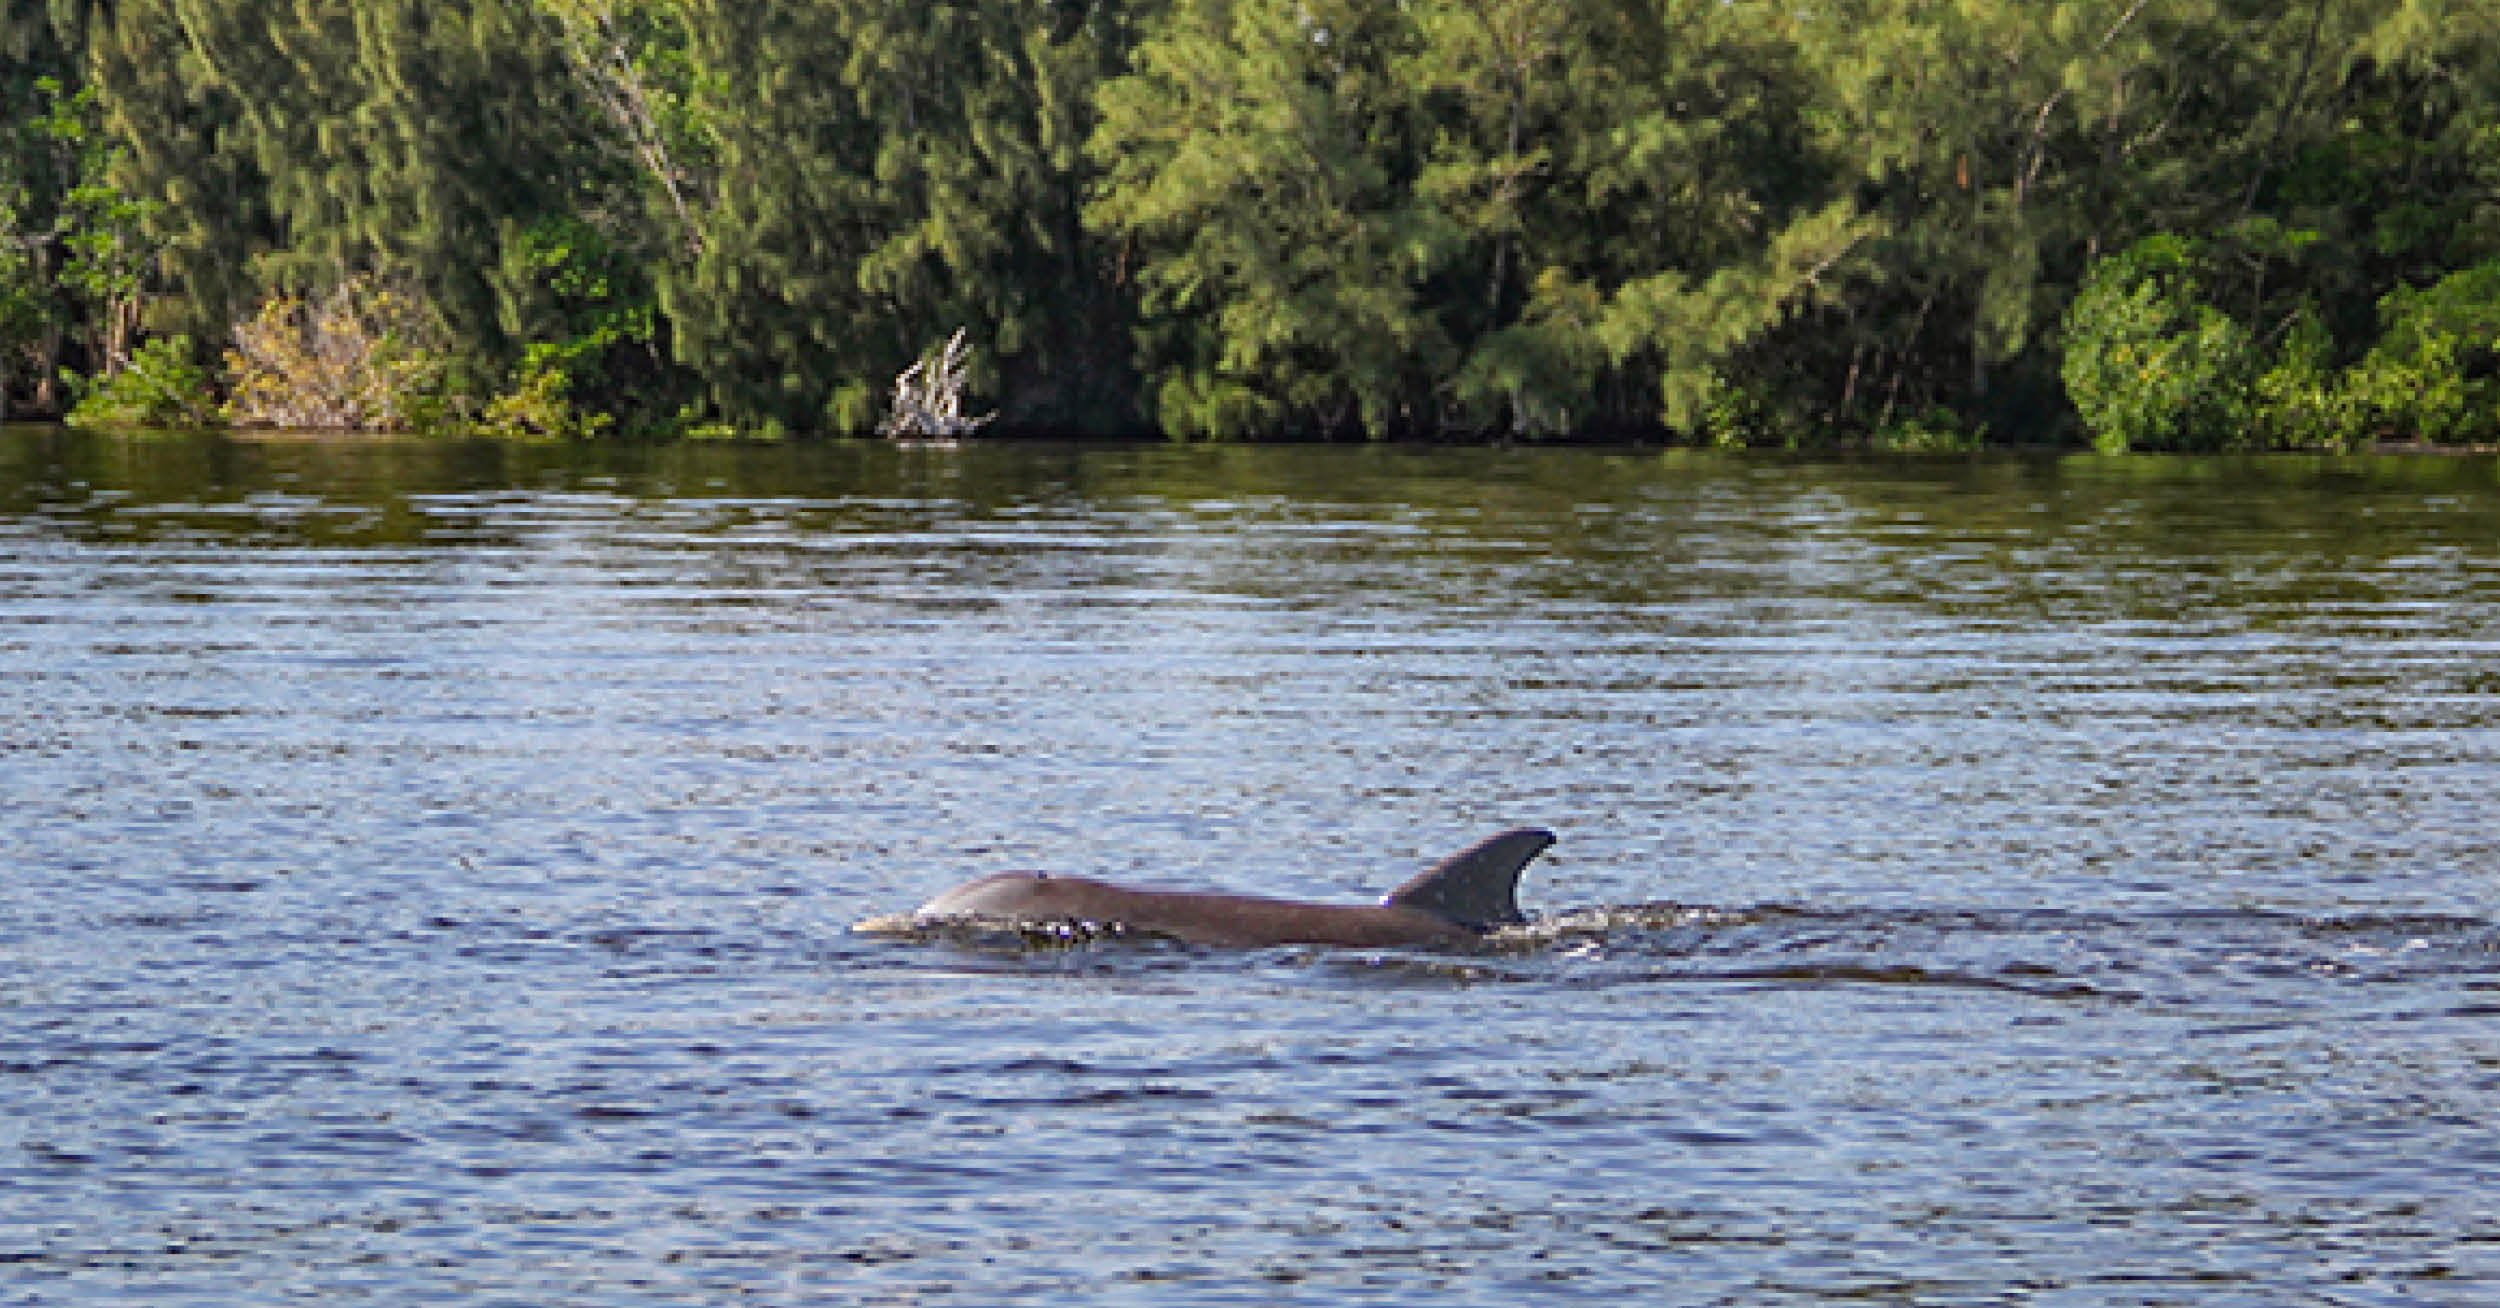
x=1452, y=902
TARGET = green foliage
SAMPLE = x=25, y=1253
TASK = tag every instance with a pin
x=2302, y=401
x=1883, y=222
x=1496, y=216
x=2435, y=373
x=161, y=387
x=587, y=318
x=1725, y=415
x=631, y=59
x=1978, y=131
x=538, y=405
x=178, y=154
x=100, y=228
x=1935, y=432
x=1252, y=155
x=23, y=302
x=73, y=258
x=884, y=174
x=2150, y=365
x=404, y=138
x=1695, y=329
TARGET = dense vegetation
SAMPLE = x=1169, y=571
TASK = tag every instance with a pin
x=2142, y=223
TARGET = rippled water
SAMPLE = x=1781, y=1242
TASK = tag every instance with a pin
x=426, y=873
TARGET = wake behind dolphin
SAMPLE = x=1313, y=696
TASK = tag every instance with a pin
x=1453, y=902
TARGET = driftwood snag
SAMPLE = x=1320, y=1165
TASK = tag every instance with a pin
x=928, y=397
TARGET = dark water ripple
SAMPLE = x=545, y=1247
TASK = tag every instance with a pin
x=426, y=873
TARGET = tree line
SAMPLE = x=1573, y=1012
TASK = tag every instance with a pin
x=2187, y=224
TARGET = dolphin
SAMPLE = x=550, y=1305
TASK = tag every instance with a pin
x=1453, y=902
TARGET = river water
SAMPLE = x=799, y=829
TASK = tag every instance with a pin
x=426, y=874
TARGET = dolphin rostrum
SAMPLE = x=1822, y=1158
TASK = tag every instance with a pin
x=1452, y=902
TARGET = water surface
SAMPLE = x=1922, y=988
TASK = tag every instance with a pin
x=426, y=872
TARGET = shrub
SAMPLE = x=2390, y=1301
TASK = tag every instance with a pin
x=589, y=323
x=365, y=357
x=1935, y=432
x=161, y=387
x=2149, y=364
x=2301, y=401
x=2431, y=375
x=539, y=405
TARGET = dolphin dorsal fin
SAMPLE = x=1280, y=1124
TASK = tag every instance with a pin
x=1478, y=886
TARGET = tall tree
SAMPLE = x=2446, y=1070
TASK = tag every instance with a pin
x=2357, y=170
x=181, y=147
x=887, y=174
x=1261, y=157
x=40, y=53
x=399, y=138
x=1528, y=216
x=630, y=58
x=1983, y=130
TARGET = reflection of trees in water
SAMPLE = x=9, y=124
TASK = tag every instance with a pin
x=2045, y=537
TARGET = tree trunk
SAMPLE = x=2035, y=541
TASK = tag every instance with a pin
x=48, y=373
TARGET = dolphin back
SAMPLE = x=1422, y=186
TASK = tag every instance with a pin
x=1478, y=886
